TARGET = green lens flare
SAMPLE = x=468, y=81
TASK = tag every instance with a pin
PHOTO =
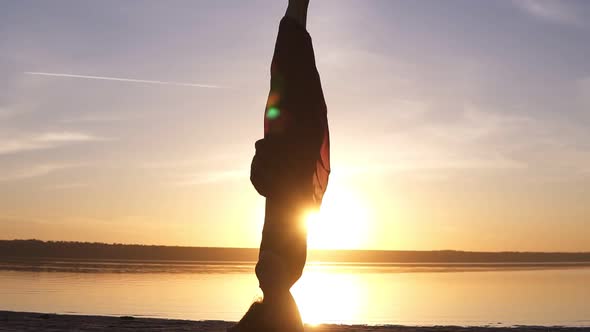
x=273, y=113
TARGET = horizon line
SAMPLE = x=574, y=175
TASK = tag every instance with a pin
x=311, y=249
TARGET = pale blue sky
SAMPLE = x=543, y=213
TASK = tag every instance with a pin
x=458, y=124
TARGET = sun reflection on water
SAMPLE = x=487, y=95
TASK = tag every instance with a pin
x=327, y=297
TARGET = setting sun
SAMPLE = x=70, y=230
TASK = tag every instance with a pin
x=341, y=223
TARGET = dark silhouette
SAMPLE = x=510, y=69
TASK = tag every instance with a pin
x=290, y=168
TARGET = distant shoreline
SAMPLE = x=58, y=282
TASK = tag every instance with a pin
x=36, y=249
x=28, y=321
x=69, y=265
x=7, y=258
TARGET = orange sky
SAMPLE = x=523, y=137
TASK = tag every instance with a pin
x=136, y=124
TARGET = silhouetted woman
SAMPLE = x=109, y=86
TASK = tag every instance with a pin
x=290, y=168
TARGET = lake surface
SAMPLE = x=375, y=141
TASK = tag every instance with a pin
x=407, y=294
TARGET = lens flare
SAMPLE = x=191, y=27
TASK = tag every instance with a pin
x=273, y=113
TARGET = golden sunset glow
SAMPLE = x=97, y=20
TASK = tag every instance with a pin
x=425, y=154
x=295, y=165
x=321, y=299
x=341, y=223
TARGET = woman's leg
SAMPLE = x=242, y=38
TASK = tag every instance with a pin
x=297, y=10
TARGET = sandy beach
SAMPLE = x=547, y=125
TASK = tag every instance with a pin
x=25, y=321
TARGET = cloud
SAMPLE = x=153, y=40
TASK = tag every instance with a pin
x=6, y=112
x=584, y=91
x=481, y=139
x=65, y=137
x=66, y=186
x=35, y=171
x=550, y=10
x=210, y=168
x=119, y=79
x=45, y=141
x=214, y=159
x=436, y=163
x=99, y=118
x=213, y=177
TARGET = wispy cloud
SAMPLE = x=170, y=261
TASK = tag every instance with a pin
x=237, y=155
x=45, y=141
x=6, y=112
x=212, y=177
x=66, y=186
x=99, y=118
x=482, y=139
x=121, y=79
x=35, y=171
x=433, y=162
x=550, y=10
x=584, y=91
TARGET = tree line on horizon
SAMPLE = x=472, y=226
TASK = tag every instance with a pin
x=37, y=249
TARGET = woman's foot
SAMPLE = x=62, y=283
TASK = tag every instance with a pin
x=297, y=10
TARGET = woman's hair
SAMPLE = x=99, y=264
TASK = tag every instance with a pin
x=253, y=319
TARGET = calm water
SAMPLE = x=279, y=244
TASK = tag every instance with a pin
x=365, y=294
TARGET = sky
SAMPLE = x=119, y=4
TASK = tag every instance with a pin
x=454, y=124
